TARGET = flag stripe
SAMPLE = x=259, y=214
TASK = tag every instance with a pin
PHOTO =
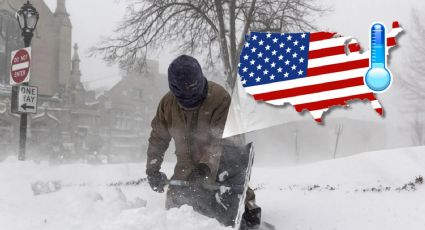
x=318, y=36
x=337, y=59
x=330, y=51
x=317, y=114
x=326, y=95
x=300, y=82
x=391, y=41
x=337, y=50
x=328, y=43
x=332, y=68
x=309, y=89
x=333, y=102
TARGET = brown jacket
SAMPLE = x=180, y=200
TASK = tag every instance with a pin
x=197, y=133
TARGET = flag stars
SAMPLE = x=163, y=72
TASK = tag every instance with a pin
x=300, y=72
x=271, y=57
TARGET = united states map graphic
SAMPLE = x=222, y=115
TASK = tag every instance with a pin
x=311, y=71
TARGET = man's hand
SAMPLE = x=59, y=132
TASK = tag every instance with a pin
x=157, y=180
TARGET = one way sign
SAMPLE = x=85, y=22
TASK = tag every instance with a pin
x=25, y=99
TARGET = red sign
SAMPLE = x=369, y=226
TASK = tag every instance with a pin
x=20, y=66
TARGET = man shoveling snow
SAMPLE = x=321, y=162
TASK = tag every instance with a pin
x=194, y=113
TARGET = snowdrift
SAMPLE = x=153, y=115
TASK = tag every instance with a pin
x=375, y=190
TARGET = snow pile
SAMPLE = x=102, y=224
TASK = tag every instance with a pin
x=85, y=200
x=366, y=191
x=345, y=193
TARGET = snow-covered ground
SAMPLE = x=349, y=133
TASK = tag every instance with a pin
x=360, y=192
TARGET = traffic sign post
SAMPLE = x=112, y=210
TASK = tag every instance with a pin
x=24, y=97
x=27, y=18
x=20, y=66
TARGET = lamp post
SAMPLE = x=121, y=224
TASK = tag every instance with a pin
x=27, y=18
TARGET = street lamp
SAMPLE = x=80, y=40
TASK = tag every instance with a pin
x=27, y=18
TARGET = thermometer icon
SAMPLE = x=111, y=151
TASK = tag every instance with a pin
x=378, y=77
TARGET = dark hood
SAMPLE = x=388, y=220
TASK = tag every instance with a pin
x=187, y=82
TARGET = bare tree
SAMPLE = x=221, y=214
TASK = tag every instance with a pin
x=215, y=28
x=413, y=79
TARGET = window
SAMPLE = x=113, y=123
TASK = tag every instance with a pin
x=10, y=40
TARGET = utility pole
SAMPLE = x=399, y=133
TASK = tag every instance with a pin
x=338, y=131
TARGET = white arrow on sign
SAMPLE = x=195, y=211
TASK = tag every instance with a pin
x=27, y=99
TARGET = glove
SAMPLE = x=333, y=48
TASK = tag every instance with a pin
x=157, y=180
x=200, y=172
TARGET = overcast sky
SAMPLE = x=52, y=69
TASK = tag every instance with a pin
x=93, y=19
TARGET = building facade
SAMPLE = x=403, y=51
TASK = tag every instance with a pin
x=51, y=48
x=127, y=110
x=71, y=124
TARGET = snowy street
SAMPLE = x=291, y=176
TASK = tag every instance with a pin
x=360, y=192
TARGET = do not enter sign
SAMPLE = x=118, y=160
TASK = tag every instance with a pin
x=20, y=66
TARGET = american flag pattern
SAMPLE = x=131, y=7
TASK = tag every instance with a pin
x=311, y=71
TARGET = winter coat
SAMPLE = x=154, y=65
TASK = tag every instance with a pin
x=196, y=132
